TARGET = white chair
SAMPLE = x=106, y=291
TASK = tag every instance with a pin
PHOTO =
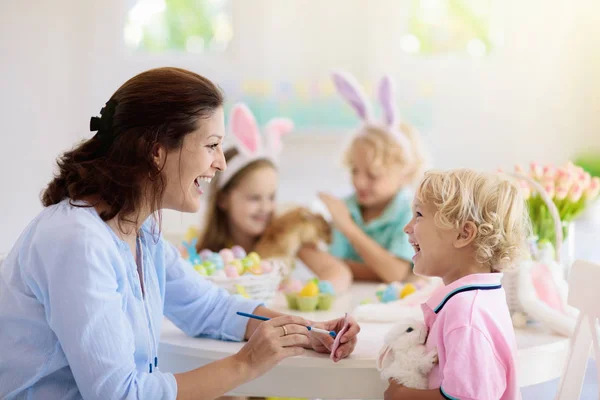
x=585, y=296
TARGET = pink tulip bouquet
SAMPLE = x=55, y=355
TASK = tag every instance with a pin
x=570, y=188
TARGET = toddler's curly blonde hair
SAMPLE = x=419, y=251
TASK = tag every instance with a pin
x=386, y=152
x=491, y=201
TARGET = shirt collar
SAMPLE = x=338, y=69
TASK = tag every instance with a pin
x=389, y=214
x=484, y=281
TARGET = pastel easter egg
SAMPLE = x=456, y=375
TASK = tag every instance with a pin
x=309, y=290
x=220, y=274
x=200, y=269
x=255, y=269
x=292, y=286
x=238, y=265
x=226, y=255
x=205, y=254
x=231, y=271
x=209, y=266
x=254, y=256
x=326, y=287
x=390, y=294
x=247, y=263
x=408, y=289
x=238, y=252
x=219, y=264
x=266, y=266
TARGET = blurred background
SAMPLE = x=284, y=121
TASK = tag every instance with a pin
x=488, y=83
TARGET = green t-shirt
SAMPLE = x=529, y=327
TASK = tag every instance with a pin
x=387, y=230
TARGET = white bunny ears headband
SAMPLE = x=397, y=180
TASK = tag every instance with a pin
x=249, y=143
x=352, y=92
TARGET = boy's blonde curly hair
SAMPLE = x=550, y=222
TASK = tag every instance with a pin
x=491, y=201
x=386, y=152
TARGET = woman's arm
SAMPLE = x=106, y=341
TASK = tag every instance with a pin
x=383, y=264
x=268, y=345
x=327, y=267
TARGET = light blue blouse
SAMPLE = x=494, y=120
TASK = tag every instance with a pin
x=74, y=323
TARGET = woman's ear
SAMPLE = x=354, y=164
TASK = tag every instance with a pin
x=159, y=156
x=466, y=235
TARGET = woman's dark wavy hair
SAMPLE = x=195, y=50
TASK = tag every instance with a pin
x=157, y=107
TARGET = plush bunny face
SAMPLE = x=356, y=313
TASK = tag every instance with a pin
x=404, y=356
x=249, y=142
x=406, y=334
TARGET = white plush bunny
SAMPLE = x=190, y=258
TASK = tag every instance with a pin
x=404, y=356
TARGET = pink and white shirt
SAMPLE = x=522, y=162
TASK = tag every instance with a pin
x=470, y=325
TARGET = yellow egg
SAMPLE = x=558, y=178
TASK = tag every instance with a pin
x=241, y=291
x=408, y=289
x=309, y=290
x=254, y=257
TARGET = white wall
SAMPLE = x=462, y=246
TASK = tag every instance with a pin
x=41, y=53
x=536, y=98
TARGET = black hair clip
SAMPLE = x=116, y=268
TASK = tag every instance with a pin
x=103, y=124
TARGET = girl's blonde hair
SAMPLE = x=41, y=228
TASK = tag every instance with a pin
x=215, y=232
x=385, y=151
x=493, y=203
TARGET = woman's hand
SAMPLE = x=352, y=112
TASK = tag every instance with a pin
x=273, y=341
x=338, y=210
x=322, y=343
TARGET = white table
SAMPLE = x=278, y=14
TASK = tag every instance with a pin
x=541, y=357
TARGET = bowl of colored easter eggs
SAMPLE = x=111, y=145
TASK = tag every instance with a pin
x=237, y=272
x=395, y=291
x=313, y=295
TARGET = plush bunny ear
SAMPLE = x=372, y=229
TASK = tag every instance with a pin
x=275, y=129
x=385, y=93
x=351, y=90
x=385, y=358
x=245, y=130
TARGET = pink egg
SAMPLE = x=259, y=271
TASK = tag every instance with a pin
x=293, y=286
x=266, y=266
x=205, y=254
x=238, y=252
x=227, y=255
x=231, y=271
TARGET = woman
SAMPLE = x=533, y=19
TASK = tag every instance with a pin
x=85, y=288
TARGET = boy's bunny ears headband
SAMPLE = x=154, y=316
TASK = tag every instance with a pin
x=352, y=92
x=249, y=143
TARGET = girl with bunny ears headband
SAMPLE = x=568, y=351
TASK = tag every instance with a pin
x=242, y=201
x=384, y=158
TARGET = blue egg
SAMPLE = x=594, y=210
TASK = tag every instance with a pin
x=390, y=294
x=326, y=287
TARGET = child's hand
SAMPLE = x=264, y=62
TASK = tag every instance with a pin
x=323, y=343
x=395, y=391
x=338, y=210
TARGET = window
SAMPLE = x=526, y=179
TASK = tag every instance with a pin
x=450, y=27
x=193, y=26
